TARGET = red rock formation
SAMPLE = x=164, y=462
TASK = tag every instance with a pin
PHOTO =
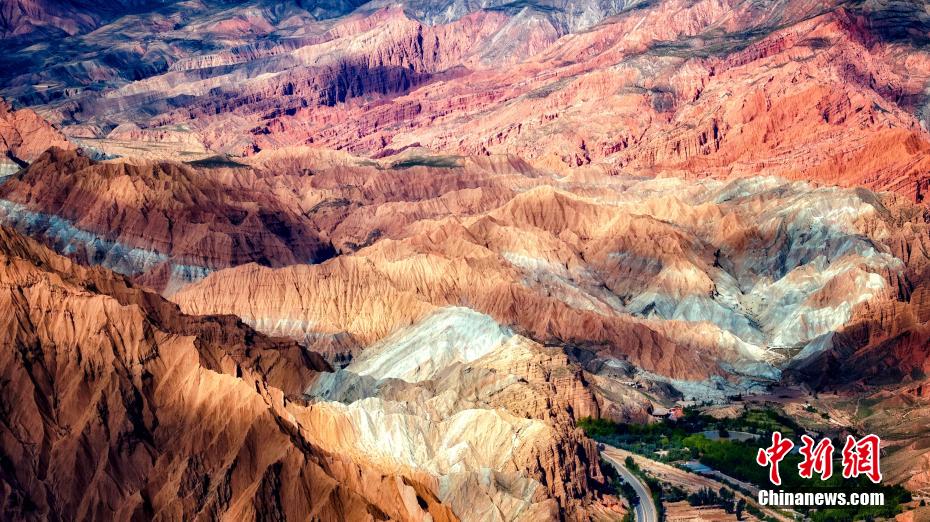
x=116, y=405
x=563, y=464
x=24, y=135
x=22, y=17
x=215, y=213
x=203, y=217
x=821, y=99
x=693, y=281
x=824, y=92
x=487, y=262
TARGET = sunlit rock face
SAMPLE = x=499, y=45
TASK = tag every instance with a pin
x=207, y=419
x=119, y=406
x=477, y=307
x=466, y=400
x=515, y=451
x=705, y=289
x=24, y=135
x=738, y=276
x=489, y=219
x=758, y=268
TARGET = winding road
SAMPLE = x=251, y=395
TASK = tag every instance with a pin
x=645, y=510
x=691, y=481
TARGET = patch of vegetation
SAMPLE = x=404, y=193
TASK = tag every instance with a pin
x=369, y=240
x=643, y=439
x=764, y=422
x=439, y=162
x=723, y=498
x=708, y=497
x=756, y=512
x=548, y=89
x=853, y=514
x=709, y=44
x=685, y=440
x=738, y=459
x=327, y=204
x=523, y=4
x=817, y=42
x=669, y=436
x=618, y=485
x=215, y=162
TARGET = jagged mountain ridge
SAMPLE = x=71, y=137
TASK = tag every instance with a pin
x=694, y=274
x=131, y=401
x=646, y=279
x=526, y=214
x=116, y=405
x=165, y=223
x=690, y=88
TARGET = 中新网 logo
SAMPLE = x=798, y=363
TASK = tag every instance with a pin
x=860, y=457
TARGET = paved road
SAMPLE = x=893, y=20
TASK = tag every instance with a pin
x=706, y=470
x=646, y=509
x=691, y=481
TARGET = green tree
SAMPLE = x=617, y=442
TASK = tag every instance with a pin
x=740, y=507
